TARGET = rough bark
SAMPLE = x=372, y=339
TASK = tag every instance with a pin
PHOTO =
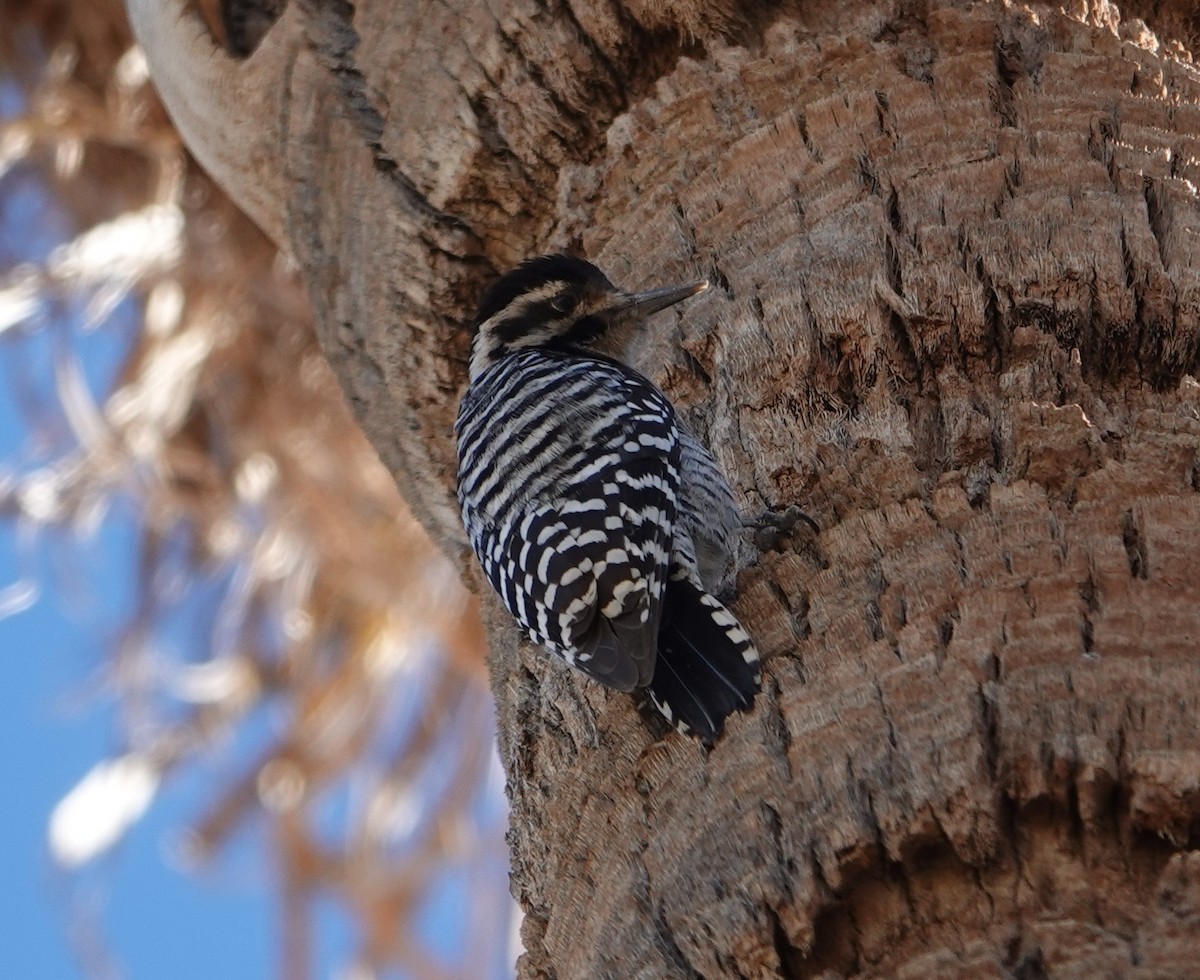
x=958, y=320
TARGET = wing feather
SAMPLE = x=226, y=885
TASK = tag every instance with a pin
x=581, y=557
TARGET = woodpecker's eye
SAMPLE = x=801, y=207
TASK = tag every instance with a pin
x=563, y=303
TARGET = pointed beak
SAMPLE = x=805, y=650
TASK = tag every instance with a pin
x=637, y=306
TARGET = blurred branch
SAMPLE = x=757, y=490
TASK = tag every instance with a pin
x=281, y=582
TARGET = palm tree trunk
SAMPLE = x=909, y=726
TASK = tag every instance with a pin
x=958, y=319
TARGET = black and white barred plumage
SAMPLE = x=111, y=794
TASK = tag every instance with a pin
x=601, y=522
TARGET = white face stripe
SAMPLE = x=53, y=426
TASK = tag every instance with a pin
x=486, y=346
x=546, y=291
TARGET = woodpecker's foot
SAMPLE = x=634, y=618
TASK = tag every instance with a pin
x=770, y=528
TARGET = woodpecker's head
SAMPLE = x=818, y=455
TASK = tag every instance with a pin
x=560, y=302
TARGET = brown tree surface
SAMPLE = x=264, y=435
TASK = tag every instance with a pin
x=957, y=319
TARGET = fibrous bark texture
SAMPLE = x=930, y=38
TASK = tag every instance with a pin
x=957, y=320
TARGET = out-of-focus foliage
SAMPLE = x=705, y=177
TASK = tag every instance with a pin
x=280, y=577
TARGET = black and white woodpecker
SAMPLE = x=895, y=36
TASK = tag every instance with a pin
x=599, y=519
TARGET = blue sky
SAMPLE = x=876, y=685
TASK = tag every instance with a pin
x=55, y=722
x=137, y=912
x=149, y=916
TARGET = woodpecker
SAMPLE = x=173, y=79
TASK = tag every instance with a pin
x=603, y=524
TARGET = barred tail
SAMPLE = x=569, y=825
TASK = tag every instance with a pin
x=707, y=666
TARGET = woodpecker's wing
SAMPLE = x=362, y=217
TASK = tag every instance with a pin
x=708, y=513
x=579, y=547
x=585, y=574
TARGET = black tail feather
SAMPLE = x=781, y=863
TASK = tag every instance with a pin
x=707, y=666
